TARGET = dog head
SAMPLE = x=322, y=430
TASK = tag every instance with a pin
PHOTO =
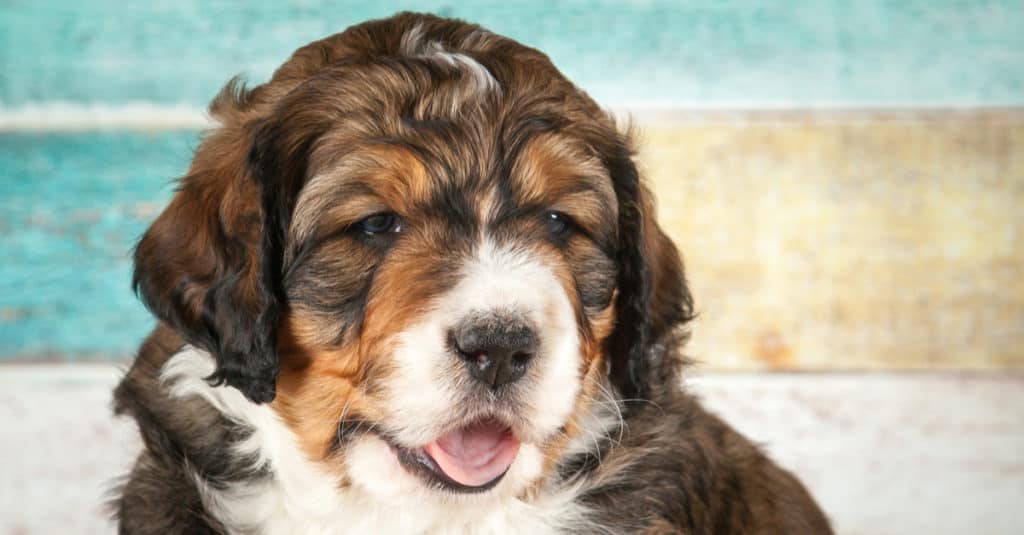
x=429, y=249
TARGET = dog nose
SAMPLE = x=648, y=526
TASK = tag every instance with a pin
x=497, y=349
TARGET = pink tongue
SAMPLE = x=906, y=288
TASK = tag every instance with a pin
x=475, y=455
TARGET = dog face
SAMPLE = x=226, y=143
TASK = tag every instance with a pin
x=429, y=249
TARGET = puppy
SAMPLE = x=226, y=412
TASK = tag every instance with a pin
x=414, y=284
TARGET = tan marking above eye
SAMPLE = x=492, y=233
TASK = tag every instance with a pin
x=586, y=210
x=554, y=172
x=372, y=179
x=552, y=166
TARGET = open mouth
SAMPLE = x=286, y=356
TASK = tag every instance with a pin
x=472, y=458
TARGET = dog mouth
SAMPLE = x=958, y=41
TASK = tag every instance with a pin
x=471, y=458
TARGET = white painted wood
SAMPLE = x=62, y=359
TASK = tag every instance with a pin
x=883, y=453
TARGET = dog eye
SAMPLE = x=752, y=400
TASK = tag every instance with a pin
x=558, y=224
x=382, y=223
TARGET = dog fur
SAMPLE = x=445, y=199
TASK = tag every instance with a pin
x=389, y=182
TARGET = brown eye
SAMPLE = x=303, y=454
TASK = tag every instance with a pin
x=558, y=224
x=382, y=223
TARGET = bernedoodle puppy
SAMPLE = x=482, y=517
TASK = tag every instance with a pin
x=414, y=284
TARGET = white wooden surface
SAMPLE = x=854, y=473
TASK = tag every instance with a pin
x=884, y=454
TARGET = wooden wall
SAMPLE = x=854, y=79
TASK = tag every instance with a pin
x=845, y=179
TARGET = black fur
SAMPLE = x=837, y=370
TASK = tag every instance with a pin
x=187, y=446
x=215, y=270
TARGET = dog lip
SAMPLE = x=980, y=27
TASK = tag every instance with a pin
x=419, y=462
x=423, y=465
x=476, y=453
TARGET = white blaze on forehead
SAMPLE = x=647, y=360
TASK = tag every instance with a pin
x=517, y=280
x=424, y=392
x=487, y=206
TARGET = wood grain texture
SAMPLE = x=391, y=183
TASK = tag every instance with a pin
x=885, y=454
x=72, y=207
x=698, y=53
x=848, y=240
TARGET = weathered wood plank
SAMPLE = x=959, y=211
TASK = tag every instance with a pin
x=71, y=208
x=745, y=53
x=848, y=240
x=884, y=454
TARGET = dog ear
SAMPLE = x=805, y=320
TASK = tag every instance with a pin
x=653, y=299
x=207, y=267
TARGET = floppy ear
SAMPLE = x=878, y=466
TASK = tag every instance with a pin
x=653, y=299
x=205, y=268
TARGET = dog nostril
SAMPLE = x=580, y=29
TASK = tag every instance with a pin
x=497, y=350
x=521, y=358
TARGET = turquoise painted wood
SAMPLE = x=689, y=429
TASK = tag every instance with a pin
x=750, y=53
x=71, y=208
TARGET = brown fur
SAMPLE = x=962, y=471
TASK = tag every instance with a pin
x=256, y=261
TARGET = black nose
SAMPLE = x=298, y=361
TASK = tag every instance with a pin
x=497, y=349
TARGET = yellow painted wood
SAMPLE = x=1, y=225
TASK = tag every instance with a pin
x=847, y=240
